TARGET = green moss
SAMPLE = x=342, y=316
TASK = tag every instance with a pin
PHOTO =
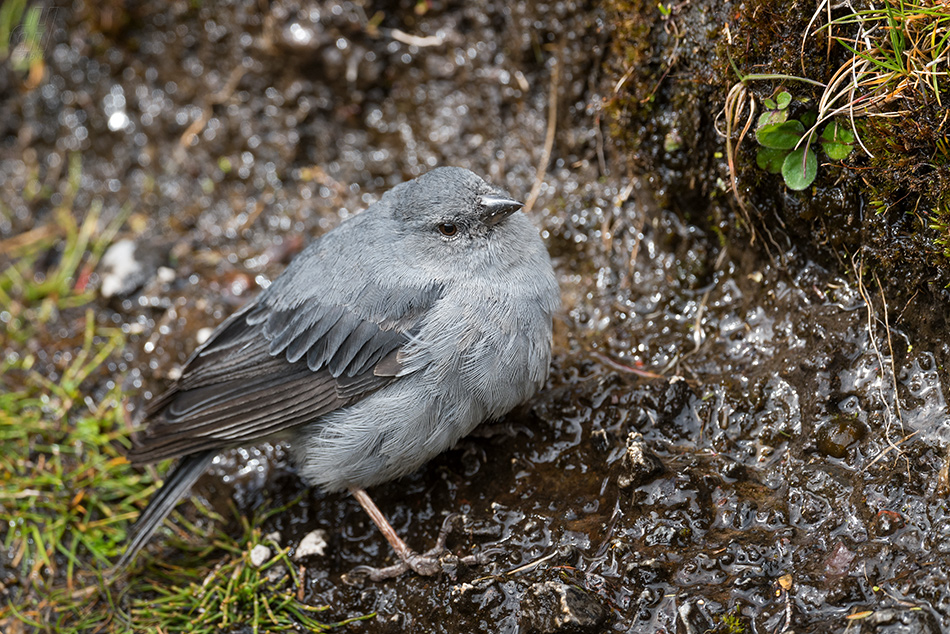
x=911, y=169
x=733, y=623
x=632, y=69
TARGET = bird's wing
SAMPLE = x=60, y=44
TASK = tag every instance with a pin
x=277, y=364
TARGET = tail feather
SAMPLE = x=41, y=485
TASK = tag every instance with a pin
x=176, y=485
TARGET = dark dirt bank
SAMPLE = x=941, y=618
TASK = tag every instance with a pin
x=780, y=469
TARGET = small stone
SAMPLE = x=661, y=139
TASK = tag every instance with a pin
x=313, y=543
x=839, y=434
x=600, y=440
x=459, y=591
x=639, y=465
x=276, y=573
x=166, y=275
x=121, y=272
x=202, y=335
x=553, y=607
x=128, y=265
x=259, y=555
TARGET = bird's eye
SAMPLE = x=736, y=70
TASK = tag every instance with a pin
x=448, y=229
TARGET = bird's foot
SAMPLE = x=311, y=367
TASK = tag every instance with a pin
x=436, y=559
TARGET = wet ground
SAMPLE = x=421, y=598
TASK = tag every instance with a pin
x=723, y=441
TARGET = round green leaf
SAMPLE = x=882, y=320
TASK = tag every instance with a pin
x=768, y=103
x=836, y=151
x=770, y=159
x=781, y=136
x=799, y=168
x=837, y=141
x=784, y=98
x=837, y=133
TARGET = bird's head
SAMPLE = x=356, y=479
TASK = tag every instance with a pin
x=451, y=213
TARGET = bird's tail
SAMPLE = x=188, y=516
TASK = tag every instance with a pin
x=177, y=483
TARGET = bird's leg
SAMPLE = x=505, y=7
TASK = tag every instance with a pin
x=427, y=563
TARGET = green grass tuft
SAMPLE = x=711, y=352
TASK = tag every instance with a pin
x=233, y=593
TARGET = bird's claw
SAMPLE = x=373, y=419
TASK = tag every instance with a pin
x=433, y=561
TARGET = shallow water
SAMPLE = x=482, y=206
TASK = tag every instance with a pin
x=793, y=443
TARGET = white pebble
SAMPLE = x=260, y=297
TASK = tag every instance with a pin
x=259, y=555
x=165, y=275
x=314, y=543
x=119, y=266
x=202, y=335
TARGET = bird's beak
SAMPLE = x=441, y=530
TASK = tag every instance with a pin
x=497, y=208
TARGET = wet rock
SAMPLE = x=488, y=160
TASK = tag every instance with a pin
x=693, y=618
x=886, y=523
x=600, y=439
x=672, y=404
x=839, y=562
x=834, y=438
x=733, y=470
x=639, y=465
x=894, y=621
x=552, y=607
x=645, y=573
x=126, y=266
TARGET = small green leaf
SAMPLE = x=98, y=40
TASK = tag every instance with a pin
x=809, y=118
x=838, y=133
x=770, y=159
x=799, y=168
x=768, y=103
x=784, y=98
x=837, y=141
x=781, y=136
x=770, y=117
x=837, y=151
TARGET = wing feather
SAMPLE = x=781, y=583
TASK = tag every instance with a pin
x=273, y=366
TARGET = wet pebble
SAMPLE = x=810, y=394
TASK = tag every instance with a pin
x=834, y=438
x=639, y=465
x=551, y=607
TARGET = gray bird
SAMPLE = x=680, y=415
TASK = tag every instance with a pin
x=380, y=346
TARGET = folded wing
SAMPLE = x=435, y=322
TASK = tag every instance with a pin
x=273, y=366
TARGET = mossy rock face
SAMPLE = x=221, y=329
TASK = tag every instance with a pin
x=670, y=69
x=662, y=115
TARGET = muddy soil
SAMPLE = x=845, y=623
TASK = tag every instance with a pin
x=723, y=440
